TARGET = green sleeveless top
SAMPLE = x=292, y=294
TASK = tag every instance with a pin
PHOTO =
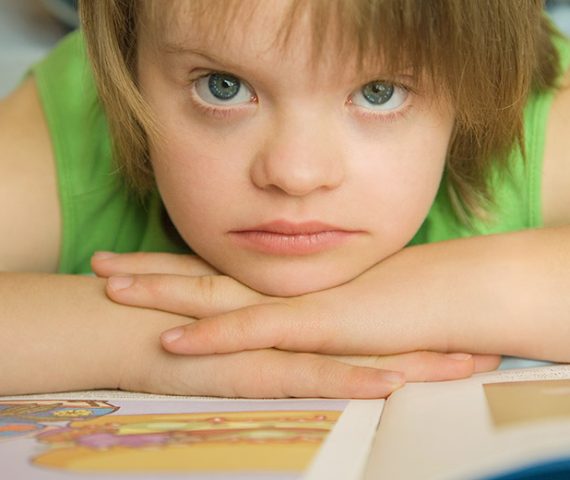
x=98, y=213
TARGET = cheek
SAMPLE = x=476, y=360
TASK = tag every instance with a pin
x=190, y=182
x=401, y=176
x=203, y=182
x=191, y=153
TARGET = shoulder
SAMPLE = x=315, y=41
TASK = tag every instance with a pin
x=556, y=162
x=29, y=204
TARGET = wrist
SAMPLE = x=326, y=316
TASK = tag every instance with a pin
x=142, y=364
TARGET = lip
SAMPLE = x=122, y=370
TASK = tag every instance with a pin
x=282, y=237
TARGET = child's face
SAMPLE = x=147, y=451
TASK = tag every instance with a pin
x=287, y=177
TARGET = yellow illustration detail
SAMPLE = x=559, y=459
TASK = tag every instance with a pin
x=191, y=442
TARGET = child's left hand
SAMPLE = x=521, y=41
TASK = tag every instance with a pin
x=367, y=316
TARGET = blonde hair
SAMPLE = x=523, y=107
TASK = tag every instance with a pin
x=486, y=55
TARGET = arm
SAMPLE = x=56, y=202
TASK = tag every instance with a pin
x=502, y=294
x=29, y=204
x=53, y=328
x=62, y=333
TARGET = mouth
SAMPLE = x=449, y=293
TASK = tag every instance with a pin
x=289, y=238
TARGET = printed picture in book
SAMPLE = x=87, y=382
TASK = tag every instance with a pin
x=518, y=403
x=93, y=436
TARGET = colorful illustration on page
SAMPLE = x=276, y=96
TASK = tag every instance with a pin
x=95, y=439
x=22, y=417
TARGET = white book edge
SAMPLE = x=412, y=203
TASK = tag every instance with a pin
x=344, y=453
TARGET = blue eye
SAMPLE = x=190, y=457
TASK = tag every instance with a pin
x=380, y=95
x=222, y=89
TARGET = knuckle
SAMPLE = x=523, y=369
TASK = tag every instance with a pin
x=207, y=286
x=151, y=285
x=325, y=372
x=259, y=376
x=336, y=379
x=283, y=330
x=285, y=375
x=234, y=331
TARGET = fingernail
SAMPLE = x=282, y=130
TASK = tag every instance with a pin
x=460, y=356
x=171, y=335
x=120, y=282
x=396, y=379
x=103, y=255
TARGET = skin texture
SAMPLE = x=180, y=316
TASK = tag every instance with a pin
x=83, y=340
x=230, y=166
x=404, y=300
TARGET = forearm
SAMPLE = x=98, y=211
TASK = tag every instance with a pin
x=62, y=333
x=502, y=294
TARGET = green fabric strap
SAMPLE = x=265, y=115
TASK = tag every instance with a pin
x=98, y=213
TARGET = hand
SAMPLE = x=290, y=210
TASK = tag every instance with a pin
x=373, y=314
x=183, y=284
x=187, y=285
x=273, y=373
x=253, y=374
x=277, y=374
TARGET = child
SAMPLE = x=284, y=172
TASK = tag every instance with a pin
x=297, y=147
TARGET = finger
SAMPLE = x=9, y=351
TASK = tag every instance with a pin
x=241, y=329
x=265, y=324
x=419, y=366
x=281, y=324
x=308, y=375
x=277, y=374
x=105, y=264
x=486, y=363
x=436, y=366
x=191, y=296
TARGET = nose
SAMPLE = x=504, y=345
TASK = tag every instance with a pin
x=299, y=157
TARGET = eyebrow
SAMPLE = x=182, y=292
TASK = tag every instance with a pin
x=171, y=48
x=178, y=49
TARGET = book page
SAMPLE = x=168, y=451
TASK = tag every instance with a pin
x=474, y=428
x=102, y=434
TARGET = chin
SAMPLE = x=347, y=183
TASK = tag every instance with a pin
x=290, y=284
x=289, y=289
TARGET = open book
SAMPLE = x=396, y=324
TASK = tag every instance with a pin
x=120, y=435
x=510, y=424
x=493, y=425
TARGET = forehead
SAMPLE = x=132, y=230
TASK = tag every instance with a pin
x=199, y=22
x=326, y=32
